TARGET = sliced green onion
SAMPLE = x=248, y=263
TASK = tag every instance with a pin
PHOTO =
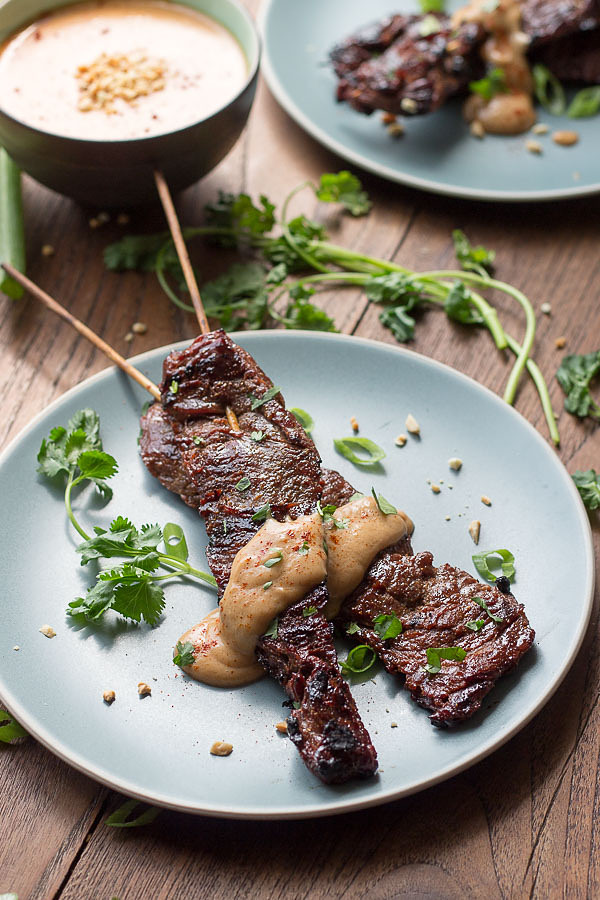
x=305, y=419
x=548, y=90
x=346, y=446
x=12, y=228
x=585, y=103
x=483, y=559
x=359, y=660
x=384, y=505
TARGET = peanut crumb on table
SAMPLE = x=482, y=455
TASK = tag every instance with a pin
x=48, y=631
x=474, y=530
x=486, y=500
x=412, y=426
x=401, y=440
x=109, y=696
x=144, y=689
x=221, y=748
x=560, y=342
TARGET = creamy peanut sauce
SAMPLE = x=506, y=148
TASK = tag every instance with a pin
x=352, y=549
x=224, y=642
x=505, y=48
x=192, y=63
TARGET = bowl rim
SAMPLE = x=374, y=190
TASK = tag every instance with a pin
x=252, y=73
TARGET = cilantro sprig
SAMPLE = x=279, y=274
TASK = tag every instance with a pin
x=575, y=376
x=292, y=258
x=132, y=587
x=588, y=485
x=120, y=817
x=10, y=730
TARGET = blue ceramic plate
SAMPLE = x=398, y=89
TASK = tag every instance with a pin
x=437, y=153
x=157, y=748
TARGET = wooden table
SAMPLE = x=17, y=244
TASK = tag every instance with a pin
x=518, y=824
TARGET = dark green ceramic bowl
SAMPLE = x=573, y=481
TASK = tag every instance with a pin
x=120, y=173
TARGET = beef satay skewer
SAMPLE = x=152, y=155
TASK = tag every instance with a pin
x=188, y=272
x=83, y=329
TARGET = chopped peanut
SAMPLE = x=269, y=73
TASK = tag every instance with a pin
x=401, y=440
x=281, y=727
x=109, y=696
x=412, y=426
x=474, y=529
x=477, y=129
x=565, y=138
x=48, y=631
x=540, y=128
x=546, y=308
x=47, y=250
x=139, y=328
x=560, y=342
x=436, y=488
x=534, y=147
x=486, y=500
x=354, y=423
x=221, y=748
x=144, y=689
x=455, y=463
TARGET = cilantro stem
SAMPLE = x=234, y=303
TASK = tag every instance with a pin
x=71, y=483
x=184, y=568
x=542, y=389
x=308, y=258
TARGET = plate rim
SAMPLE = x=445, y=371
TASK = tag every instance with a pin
x=335, y=806
x=383, y=171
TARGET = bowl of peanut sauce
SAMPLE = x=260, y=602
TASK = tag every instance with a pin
x=97, y=95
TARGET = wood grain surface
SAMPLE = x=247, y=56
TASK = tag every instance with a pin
x=520, y=823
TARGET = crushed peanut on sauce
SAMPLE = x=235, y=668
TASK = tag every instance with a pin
x=125, y=77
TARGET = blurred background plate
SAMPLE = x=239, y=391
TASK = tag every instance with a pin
x=437, y=152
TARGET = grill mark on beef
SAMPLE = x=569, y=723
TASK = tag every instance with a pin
x=434, y=605
x=188, y=444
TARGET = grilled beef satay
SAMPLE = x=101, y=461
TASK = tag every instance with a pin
x=230, y=477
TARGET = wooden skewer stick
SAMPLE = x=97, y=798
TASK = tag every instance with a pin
x=87, y=333
x=188, y=272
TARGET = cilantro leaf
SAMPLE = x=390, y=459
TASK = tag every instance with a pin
x=272, y=628
x=309, y=611
x=262, y=514
x=243, y=484
x=346, y=189
x=387, y=627
x=400, y=323
x=10, y=730
x=480, y=602
x=575, y=375
x=352, y=628
x=119, y=818
x=485, y=558
x=435, y=655
x=492, y=84
x=458, y=307
x=384, y=505
x=239, y=214
x=588, y=485
x=96, y=465
x=128, y=589
x=473, y=259
x=326, y=512
x=475, y=624
x=184, y=655
x=303, y=315
x=238, y=297
x=135, y=251
x=257, y=402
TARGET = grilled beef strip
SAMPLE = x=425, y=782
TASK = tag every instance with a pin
x=188, y=445
x=434, y=605
x=396, y=67
x=417, y=72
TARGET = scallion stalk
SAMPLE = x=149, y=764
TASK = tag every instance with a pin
x=12, y=228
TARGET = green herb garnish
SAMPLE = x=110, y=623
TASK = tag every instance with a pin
x=360, y=659
x=297, y=259
x=475, y=624
x=346, y=446
x=243, y=484
x=387, y=626
x=267, y=585
x=588, y=485
x=484, y=558
x=174, y=387
x=494, y=83
x=257, y=436
x=346, y=189
x=430, y=6
x=352, y=628
x=197, y=440
x=118, y=819
x=474, y=259
x=130, y=588
x=548, y=90
x=184, y=655
x=384, y=505
x=269, y=563
x=585, y=103
x=429, y=25
x=356, y=496
x=480, y=602
x=268, y=395
x=12, y=227
x=435, y=655
x=304, y=548
x=273, y=627
x=10, y=730
x=308, y=611
x=262, y=514
x=575, y=375
x=326, y=512
x=305, y=419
